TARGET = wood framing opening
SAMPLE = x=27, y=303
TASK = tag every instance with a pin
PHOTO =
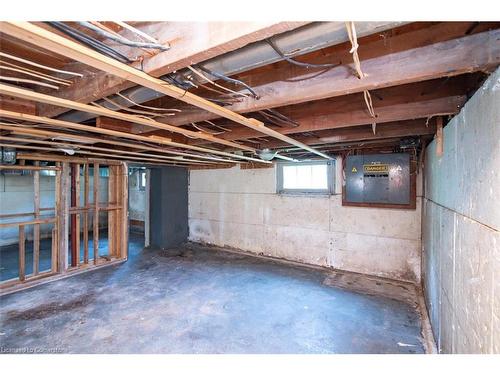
x=78, y=219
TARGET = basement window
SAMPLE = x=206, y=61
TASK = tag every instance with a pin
x=314, y=177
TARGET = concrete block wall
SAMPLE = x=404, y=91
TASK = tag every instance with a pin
x=461, y=217
x=240, y=209
x=17, y=194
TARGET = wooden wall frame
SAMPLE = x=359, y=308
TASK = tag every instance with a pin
x=70, y=215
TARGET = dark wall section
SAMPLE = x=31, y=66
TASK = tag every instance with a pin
x=169, y=206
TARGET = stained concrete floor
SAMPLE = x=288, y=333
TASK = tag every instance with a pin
x=202, y=300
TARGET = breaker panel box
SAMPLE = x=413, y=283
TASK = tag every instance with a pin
x=378, y=179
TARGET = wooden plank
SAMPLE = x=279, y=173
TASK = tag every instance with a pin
x=86, y=139
x=109, y=151
x=445, y=59
x=36, y=227
x=124, y=211
x=55, y=43
x=22, y=253
x=94, y=155
x=390, y=113
x=53, y=251
x=44, y=98
x=111, y=214
x=96, y=214
x=77, y=215
x=439, y=137
x=86, y=182
x=47, y=220
x=194, y=42
x=70, y=125
x=27, y=168
x=63, y=217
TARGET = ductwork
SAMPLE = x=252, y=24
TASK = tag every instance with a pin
x=309, y=38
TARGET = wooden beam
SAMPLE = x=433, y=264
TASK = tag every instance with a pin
x=22, y=253
x=159, y=140
x=27, y=168
x=19, y=143
x=44, y=98
x=396, y=129
x=86, y=187
x=445, y=59
x=95, y=232
x=397, y=112
x=85, y=139
x=191, y=43
x=55, y=43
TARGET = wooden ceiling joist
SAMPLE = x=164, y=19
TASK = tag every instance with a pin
x=192, y=43
x=42, y=157
x=57, y=44
x=17, y=129
x=44, y=98
x=478, y=52
x=397, y=112
x=61, y=145
x=80, y=127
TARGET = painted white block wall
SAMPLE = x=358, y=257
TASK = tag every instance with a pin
x=461, y=240
x=16, y=196
x=137, y=198
x=240, y=209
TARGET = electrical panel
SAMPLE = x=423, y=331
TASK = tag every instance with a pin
x=378, y=179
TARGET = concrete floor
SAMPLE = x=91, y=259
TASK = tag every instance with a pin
x=199, y=300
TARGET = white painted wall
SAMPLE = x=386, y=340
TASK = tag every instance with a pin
x=461, y=240
x=16, y=196
x=137, y=198
x=240, y=209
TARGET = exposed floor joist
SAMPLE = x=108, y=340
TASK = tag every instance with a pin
x=81, y=139
x=55, y=43
x=44, y=98
x=193, y=43
x=472, y=53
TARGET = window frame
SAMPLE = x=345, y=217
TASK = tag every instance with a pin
x=330, y=175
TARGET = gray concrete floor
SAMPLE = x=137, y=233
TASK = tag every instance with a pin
x=201, y=300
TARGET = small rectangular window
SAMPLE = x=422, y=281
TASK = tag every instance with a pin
x=305, y=177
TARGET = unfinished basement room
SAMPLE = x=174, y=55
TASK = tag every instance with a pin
x=237, y=187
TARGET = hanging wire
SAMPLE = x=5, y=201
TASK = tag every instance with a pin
x=228, y=79
x=295, y=62
x=201, y=75
x=148, y=107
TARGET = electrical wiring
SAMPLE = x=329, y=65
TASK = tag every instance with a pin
x=295, y=62
x=90, y=42
x=22, y=80
x=138, y=111
x=120, y=39
x=3, y=54
x=59, y=80
x=148, y=107
x=205, y=130
x=136, y=31
x=22, y=71
x=201, y=75
x=231, y=80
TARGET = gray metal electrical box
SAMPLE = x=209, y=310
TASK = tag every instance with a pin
x=378, y=178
